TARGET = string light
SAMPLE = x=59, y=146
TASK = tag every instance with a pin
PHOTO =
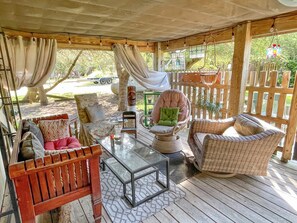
x=185, y=42
x=126, y=43
x=147, y=44
x=204, y=41
x=69, y=39
x=101, y=41
x=233, y=34
x=167, y=46
x=33, y=38
x=272, y=28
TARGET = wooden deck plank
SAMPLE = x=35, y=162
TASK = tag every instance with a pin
x=179, y=214
x=191, y=210
x=208, y=210
x=275, y=185
x=215, y=202
x=272, y=188
x=228, y=201
x=246, y=201
x=151, y=219
x=261, y=201
x=287, y=203
x=164, y=217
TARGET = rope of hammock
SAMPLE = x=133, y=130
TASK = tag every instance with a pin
x=203, y=74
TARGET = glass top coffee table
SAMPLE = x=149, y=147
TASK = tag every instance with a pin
x=132, y=160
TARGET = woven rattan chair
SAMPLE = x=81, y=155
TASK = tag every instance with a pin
x=239, y=145
x=166, y=139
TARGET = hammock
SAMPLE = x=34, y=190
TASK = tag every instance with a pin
x=132, y=61
x=209, y=77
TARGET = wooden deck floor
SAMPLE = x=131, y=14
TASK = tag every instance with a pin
x=239, y=199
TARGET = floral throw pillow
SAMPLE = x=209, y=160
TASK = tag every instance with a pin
x=54, y=129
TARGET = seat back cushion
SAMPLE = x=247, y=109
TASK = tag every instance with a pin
x=245, y=126
x=31, y=147
x=171, y=99
x=231, y=131
x=95, y=113
x=168, y=116
x=83, y=101
x=29, y=126
x=54, y=129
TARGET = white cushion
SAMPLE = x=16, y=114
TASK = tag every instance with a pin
x=161, y=129
x=95, y=113
x=231, y=131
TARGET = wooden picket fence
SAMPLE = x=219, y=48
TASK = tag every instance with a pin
x=217, y=93
x=266, y=98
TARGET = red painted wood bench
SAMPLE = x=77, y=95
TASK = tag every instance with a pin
x=44, y=184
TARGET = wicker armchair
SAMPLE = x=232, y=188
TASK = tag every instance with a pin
x=218, y=150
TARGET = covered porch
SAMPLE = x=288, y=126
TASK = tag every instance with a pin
x=167, y=26
x=239, y=199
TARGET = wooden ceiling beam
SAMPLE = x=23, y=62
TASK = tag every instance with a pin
x=82, y=42
x=259, y=28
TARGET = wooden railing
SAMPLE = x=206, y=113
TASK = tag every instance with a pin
x=266, y=98
x=270, y=98
x=217, y=93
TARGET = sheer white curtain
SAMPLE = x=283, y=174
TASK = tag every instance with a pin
x=32, y=60
x=132, y=61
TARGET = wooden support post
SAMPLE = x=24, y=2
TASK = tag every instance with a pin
x=158, y=56
x=291, y=129
x=242, y=48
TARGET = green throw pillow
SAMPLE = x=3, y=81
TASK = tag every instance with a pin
x=168, y=116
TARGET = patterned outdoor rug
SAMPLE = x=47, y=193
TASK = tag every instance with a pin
x=120, y=210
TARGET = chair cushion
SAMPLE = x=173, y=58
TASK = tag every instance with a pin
x=161, y=129
x=245, y=126
x=231, y=131
x=54, y=129
x=169, y=99
x=31, y=147
x=199, y=138
x=60, y=144
x=29, y=126
x=95, y=112
x=168, y=116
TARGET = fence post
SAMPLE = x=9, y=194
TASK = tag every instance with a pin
x=291, y=129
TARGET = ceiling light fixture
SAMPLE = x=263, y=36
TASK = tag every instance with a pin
x=289, y=3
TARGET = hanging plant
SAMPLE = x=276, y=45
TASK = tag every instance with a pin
x=205, y=103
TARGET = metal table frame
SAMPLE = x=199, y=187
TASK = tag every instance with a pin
x=133, y=178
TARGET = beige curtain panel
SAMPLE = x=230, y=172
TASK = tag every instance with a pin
x=32, y=60
x=132, y=61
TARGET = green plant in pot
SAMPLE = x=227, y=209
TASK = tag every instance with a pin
x=206, y=104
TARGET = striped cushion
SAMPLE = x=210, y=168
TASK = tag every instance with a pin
x=246, y=127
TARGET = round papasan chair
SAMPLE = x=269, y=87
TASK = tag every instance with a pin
x=166, y=139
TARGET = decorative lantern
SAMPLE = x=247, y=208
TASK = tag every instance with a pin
x=274, y=50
